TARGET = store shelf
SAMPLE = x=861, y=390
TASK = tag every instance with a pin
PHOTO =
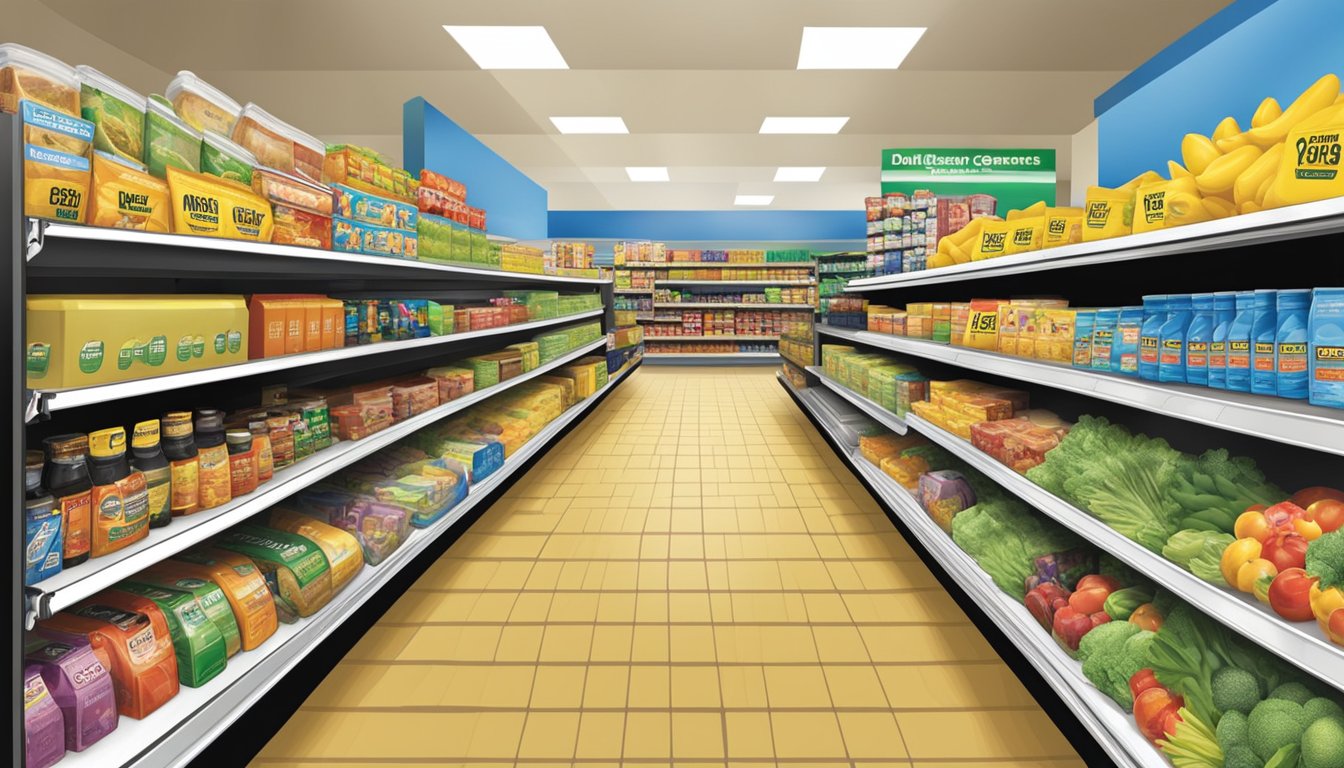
x=63, y=399
x=1277, y=225
x=1301, y=643
x=188, y=723
x=1110, y=726
x=724, y=265
x=67, y=249
x=736, y=282
x=710, y=338
x=74, y=584
x=727, y=305
x=714, y=358
x=1293, y=422
x=632, y=291
x=881, y=415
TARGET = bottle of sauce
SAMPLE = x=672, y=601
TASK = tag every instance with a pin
x=242, y=462
x=179, y=447
x=261, y=441
x=120, y=497
x=66, y=476
x=147, y=456
x=215, y=481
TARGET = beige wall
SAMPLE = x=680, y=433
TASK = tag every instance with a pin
x=1083, y=170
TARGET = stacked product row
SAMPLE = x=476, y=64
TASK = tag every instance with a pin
x=782, y=295
x=644, y=253
x=727, y=322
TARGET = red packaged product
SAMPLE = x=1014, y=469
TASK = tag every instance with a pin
x=414, y=396
x=441, y=183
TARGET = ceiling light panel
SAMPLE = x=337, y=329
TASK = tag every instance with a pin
x=753, y=199
x=589, y=124
x=799, y=173
x=856, y=47
x=508, y=47
x=647, y=173
x=797, y=125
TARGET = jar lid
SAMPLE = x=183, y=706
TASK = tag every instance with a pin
x=66, y=446
x=238, y=437
x=107, y=443
x=145, y=434
x=209, y=421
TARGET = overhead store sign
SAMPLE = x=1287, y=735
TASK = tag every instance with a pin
x=1015, y=177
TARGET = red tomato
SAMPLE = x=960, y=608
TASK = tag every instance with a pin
x=1284, y=513
x=1089, y=601
x=1095, y=581
x=1152, y=710
x=1328, y=513
x=1286, y=550
x=1308, y=496
x=1142, y=681
x=1288, y=594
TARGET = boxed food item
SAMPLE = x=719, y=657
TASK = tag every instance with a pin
x=429, y=495
x=340, y=547
x=438, y=182
x=169, y=142
x=278, y=144
x=453, y=382
x=80, y=340
x=905, y=470
x=379, y=528
x=199, y=646
x=364, y=169
x=875, y=448
x=201, y=105
x=480, y=459
x=368, y=208
x=43, y=723
x=117, y=114
x=237, y=576
x=212, y=207
x=356, y=421
x=78, y=682
x=55, y=163
x=356, y=237
x=295, y=569
x=411, y=397
x=26, y=74
x=943, y=494
x=293, y=190
x=126, y=196
x=530, y=352
x=297, y=226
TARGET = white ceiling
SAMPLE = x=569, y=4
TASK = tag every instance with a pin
x=692, y=79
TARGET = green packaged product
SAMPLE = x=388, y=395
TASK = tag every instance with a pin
x=199, y=646
x=485, y=371
x=221, y=157
x=117, y=114
x=441, y=322
x=169, y=141
x=295, y=568
x=208, y=595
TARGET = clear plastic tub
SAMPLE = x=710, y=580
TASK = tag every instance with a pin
x=225, y=159
x=117, y=114
x=169, y=141
x=291, y=190
x=201, y=105
x=278, y=144
x=35, y=76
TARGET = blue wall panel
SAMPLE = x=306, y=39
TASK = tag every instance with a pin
x=1250, y=50
x=708, y=226
x=515, y=206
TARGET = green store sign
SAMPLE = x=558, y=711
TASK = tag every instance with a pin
x=1015, y=177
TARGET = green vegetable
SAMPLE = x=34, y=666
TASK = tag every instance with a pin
x=1193, y=745
x=1241, y=756
x=1275, y=724
x=1004, y=537
x=1286, y=757
x=1321, y=707
x=1292, y=691
x=1325, y=559
x=1122, y=602
x=1233, y=731
x=1206, y=564
x=1235, y=689
x=1111, y=654
x=1198, y=551
x=1217, y=488
x=1323, y=744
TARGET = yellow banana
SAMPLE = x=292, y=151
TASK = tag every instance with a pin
x=1316, y=97
x=1228, y=127
x=1197, y=152
x=1268, y=195
x=1251, y=179
x=1250, y=206
x=1339, y=99
x=1223, y=172
x=1177, y=171
x=1147, y=177
x=1233, y=143
x=1268, y=111
x=1219, y=208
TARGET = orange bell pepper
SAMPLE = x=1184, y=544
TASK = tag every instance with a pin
x=1328, y=607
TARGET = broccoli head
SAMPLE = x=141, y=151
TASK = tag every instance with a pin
x=1235, y=689
x=1241, y=756
x=1232, y=731
x=1294, y=691
x=1323, y=744
x=1320, y=707
x=1113, y=657
x=1325, y=559
x=1274, y=724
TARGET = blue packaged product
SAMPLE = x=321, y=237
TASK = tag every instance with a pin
x=1150, y=335
x=1103, y=337
x=1239, y=343
x=1083, y=322
x=1290, y=343
x=1125, y=349
x=1171, y=357
x=43, y=533
x=1264, y=322
x=363, y=207
x=1325, y=334
x=1198, y=338
x=1224, y=310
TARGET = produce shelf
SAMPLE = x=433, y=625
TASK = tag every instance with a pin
x=66, y=249
x=1299, y=643
x=1279, y=224
x=727, y=305
x=882, y=415
x=63, y=399
x=74, y=584
x=190, y=721
x=1109, y=725
x=1293, y=422
x=736, y=282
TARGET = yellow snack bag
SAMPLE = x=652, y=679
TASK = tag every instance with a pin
x=1311, y=163
x=1109, y=213
x=992, y=242
x=1024, y=234
x=56, y=171
x=1151, y=202
x=214, y=207
x=1062, y=227
x=125, y=196
x=982, y=324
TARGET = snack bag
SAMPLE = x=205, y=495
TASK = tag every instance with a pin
x=55, y=164
x=1109, y=213
x=125, y=196
x=1063, y=226
x=1153, y=203
x=210, y=206
x=992, y=241
x=1024, y=234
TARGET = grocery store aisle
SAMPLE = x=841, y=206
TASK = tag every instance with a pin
x=690, y=576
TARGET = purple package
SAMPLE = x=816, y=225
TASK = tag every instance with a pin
x=80, y=685
x=943, y=494
x=43, y=726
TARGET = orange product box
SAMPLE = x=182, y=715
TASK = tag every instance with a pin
x=312, y=325
x=266, y=330
x=333, y=323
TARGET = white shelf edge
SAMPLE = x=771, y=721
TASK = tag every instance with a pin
x=156, y=239
x=1300, y=644
x=1110, y=726
x=1277, y=224
x=1292, y=422
x=882, y=415
x=729, y=305
x=63, y=399
x=70, y=586
x=159, y=740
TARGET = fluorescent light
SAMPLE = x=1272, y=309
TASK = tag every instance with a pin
x=589, y=124
x=803, y=124
x=753, y=199
x=647, y=173
x=856, y=47
x=799, y=173
x=508, y=47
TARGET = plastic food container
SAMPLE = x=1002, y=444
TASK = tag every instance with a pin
x=278, y=144
x=225, y=159
x=380, y=528
x=35, y=76
x=169, y=141
x=201, y=105
x=117, y=114
x=288, y=189
x=296, y=226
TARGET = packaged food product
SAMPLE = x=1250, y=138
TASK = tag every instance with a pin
x=120, y=500
x=169, y=142
x=1024, y=234
x=221, y=157
x=43, y=539
x=131, y=635
x=43, y=724
x=201, y=105
x=296, y=571
x=380, y=528
x=905, y=469
x=453, y=382
x=35, y=76
x=943, y=494
x=125, y=196
x=1239, y=338
x=79, y=683
x=480, y=459
x=117, y=114
x=237, y=576
x=215, y=485
x=364, y=169
x=875, y=448
x=210, y=206
x=243, y=475
x=1309, y=167
x=179, y=447
x=428, y=496
x=992, y=241
x=279, y=145
x=261, y=442
x=296, y=226
x=1325, y=348
x=356, y=421
x=293, y=190
x=197, y=642
x=437, y=181
x=55, y=163
x=1110, y=213
x=65, y=475
x=340, y=547
x=1063, y=226
x=411, y=397
x=369, y=208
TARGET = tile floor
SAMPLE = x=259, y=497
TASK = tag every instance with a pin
x=691, y=577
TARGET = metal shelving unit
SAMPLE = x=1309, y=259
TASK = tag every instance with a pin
x=881, y=415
